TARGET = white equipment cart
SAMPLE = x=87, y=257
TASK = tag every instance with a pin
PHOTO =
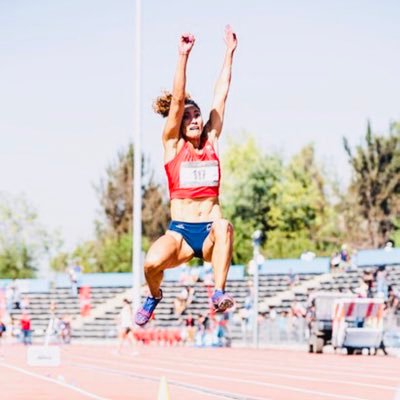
x=357, y=324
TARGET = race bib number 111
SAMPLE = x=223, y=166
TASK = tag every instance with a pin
x=199, y=173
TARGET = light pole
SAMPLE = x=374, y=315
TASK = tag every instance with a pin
x=257, y=238
x=137, y=167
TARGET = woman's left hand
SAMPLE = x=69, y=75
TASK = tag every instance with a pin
x=230, y=38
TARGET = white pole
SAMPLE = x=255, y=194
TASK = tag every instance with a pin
x=257, y=238
x=137, y=176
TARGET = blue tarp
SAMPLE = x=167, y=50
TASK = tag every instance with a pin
x=318, y=265
x=109, y=279
x=28, y=285
x=369, y=258
x=236, y=272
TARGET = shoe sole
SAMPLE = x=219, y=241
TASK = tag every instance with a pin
x=141, y=324
x=224, y=305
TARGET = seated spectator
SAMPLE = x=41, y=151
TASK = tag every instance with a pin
x=25, y=303
x=335, y=262
x=16, y=295
x=292, y=279
x=344, y=257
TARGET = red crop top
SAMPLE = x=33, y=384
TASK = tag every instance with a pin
x=192, y=175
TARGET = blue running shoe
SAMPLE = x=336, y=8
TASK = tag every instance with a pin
x=145, y=312
x=222, y=301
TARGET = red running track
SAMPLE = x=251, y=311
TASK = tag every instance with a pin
x=98, y=372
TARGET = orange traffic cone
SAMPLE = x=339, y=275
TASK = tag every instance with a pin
x=163, y=392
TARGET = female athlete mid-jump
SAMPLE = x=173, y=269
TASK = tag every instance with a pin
x=192, y=165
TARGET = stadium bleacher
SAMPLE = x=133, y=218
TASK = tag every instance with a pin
x=276, y=290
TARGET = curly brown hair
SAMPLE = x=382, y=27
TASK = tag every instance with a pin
x=162, y=104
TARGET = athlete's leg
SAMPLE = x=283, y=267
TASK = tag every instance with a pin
x=168, y=251
x=217, y=248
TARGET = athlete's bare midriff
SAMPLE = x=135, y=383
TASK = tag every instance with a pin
x=204, y=209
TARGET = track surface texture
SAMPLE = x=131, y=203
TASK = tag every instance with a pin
x=99, y=372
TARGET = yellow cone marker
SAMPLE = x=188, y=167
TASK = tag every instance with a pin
x=163, y=392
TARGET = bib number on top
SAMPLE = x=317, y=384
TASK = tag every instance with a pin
x=199, y=173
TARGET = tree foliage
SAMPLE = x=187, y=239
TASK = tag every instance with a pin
x=287, y=202
x=303, y=216
x=115, y=193
x=375, y=185
x=23, y=240
x=111, y=250
x=248, y=193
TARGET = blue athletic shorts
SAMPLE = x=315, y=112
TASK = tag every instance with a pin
x=194, y=234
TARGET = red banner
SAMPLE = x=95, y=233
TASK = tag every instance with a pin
x=84, y=300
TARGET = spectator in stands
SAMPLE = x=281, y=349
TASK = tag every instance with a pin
x=190, y=329
x=381, y=281
x=25, y=303
x=335, y=262
x=52, y=308
x=283, y=325
x=125, y=325
x=202, y=328
x=364, y=290
x=222, y=336
x=344, y=257
x=26, y=328
x=245, y=315
x=192, y=165
x=292, y=279
x=389, y=245
x=392, y=304
x=310, y=316
x=73, y=278
x=270, y=321
x=16, y=295
x=180, y=301
x=65, y=329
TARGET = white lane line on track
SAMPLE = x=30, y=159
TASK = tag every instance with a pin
x=194, y=388
x=339, y=369
x=350, y=363
x=198, y=362
x=337, y=361
x=252, y=366
x=281, y=375
x=47, y=379
x=218, y=378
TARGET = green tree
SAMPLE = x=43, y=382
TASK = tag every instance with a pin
x=248, y=192
x=302, y=216
x=115, y=193
x=111, y=250
x=375, y=184
x=288, y=203
x=23, y=240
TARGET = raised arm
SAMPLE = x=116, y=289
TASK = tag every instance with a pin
x=214, y=125
x=172, y=126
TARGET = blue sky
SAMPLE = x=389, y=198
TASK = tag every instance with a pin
x=304, y=71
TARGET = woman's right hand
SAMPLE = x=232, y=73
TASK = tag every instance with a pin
x=186, y=43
